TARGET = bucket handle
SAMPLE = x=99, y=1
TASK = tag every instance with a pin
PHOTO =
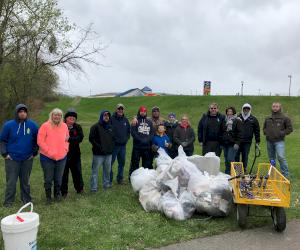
x=26, y=205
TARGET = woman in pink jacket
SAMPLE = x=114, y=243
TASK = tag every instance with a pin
x=52, y=139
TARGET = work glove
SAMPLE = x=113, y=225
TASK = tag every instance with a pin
x=236, y=147
x=154, y=148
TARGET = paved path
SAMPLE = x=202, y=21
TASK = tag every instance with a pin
x=257, y=239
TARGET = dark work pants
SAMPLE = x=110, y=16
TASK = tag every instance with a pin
x=137, y=154
x=73, y=164
x=15, y=170
x=53, y=172
x=119, y=153
x=212, y=146
x=244, y=150
x=173, y=152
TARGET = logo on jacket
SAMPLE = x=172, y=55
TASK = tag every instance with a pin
x=28, y=131
x=144, y=128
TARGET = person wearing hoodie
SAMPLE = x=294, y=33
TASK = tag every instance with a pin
x=250, y=127
x=210, y=130
x=276, y=127
x=121, y=135
x=53, y=137
x=171, y=124
x=18, y=143
x=231, y=137
x=74, y=155
x=142, y=133
x=101, y=138
x=184, y=135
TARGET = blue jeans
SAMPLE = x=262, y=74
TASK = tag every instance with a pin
x=278, y=149
x=99, y=160
x=53, y=172
x=229, y=155
x=119, y=152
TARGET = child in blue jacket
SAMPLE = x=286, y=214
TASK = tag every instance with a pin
x=161, y=140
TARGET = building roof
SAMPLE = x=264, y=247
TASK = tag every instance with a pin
x=134, y=92
x=146, y=89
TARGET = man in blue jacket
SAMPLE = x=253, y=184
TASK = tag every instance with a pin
x=18, y=143
x=142, y=134
x=121, y=135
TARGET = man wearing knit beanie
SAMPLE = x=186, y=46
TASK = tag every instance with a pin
x=171, y=124
x=74, y=155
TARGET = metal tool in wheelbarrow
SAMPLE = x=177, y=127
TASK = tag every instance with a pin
x=246, y=184
x=266, y=177
x=256, y=155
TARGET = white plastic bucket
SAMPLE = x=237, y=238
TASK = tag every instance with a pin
x=20, y=230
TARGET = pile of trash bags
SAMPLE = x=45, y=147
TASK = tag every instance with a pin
x=179, y=187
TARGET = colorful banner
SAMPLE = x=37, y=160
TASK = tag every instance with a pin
x=206, y=87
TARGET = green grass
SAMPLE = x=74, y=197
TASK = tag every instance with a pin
x=114, y=219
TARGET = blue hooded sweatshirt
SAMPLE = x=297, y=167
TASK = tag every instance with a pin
x=18, y=139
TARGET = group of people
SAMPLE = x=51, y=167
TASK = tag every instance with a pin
x=58, y=142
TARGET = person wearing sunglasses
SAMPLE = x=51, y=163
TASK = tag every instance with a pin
x=121, y=135
x=210, y=130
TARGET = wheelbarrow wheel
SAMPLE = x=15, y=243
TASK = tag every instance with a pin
x=279, y=218
x=241, y=215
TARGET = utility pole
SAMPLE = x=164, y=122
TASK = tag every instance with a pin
x=290, y=76
x=242, y=89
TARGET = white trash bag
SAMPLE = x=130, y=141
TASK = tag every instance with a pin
x=209, y=163
x=199, y=184
x=149, y=197
x=162, y=160
x=187, y=202
x=141, y=177
x=171, y=206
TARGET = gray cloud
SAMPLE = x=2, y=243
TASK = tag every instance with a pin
x=173, y=46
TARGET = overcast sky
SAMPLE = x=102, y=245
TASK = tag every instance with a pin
x=174, y=45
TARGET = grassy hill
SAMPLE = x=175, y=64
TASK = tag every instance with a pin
x=114, y=219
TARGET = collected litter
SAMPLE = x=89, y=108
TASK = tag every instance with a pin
x=179, y=187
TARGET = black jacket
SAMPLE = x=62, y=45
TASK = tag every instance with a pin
x=217, y=129
x=184, y=135
x=250, y=127
x=121, y=129
x=170, y=128
x=101, y=137
x=76, y=137
x=142, y=133
x=233, y=136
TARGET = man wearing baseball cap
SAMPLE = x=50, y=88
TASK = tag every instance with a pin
x=121, y=135
x=142, y=133
x=156, y=118
x=18, y=143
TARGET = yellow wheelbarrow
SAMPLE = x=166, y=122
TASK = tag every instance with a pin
x=268, y=187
